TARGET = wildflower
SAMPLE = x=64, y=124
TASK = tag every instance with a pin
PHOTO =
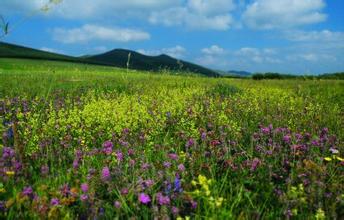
x=27, y=191
x=203, y=136
x=119, y=156
x=7, y=152
x=144, y=198
x=83, y=197
x=339, y=158
x=181, y=167
x=173, y=156
x=124, y=191
x=117, y=204
x=44, y=170
x=193, y=204
x=54, y=201
x=175, y=211
x=84, y=187
x=10, y=173
x=287, y=139
x=177, y=185
x=190, y=142
x=107, y=147
x=162, y=200
x=328, y=159
x=255, y=164
x=76, y=163
x=334, y=150
x=320, y=214
x=105, y=173
x=167, y=164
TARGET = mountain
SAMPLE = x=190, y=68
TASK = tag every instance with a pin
x=15, y=51
x=117, y=58
x=239, y=73
x=234, y=73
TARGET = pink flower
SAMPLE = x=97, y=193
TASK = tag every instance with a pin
x=106, y=173
x=84, y=187
x=144, y=198
x=181, y=167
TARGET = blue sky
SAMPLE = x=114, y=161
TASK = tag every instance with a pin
x=289, y=36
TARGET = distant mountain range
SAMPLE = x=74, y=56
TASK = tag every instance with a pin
x=235, y=73
x=117, y=58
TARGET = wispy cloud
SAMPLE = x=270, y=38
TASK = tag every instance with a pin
x=176, y=52
x=272, y=14
x=89, y=32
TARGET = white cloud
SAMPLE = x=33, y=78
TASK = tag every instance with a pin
x=51, y=50
x=182, y=16
x=212, y=7
x=270, y=14
x=90, y=32
x=322, y=36
x=213, y=50
x=176, y=52
x=197, y=14
x=87, y=8
x=312, y=57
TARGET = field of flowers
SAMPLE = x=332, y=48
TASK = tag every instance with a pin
x=85, y=142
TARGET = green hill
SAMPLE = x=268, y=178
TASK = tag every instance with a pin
x=117, y=58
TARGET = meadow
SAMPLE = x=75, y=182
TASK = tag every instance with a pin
x=92, y=142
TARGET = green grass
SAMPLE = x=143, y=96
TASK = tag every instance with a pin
x=242, y=149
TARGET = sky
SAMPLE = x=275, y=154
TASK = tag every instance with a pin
x=286, y=36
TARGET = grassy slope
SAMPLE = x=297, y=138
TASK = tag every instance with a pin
x=116, y=58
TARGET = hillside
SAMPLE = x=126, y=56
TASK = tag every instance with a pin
x=117, y=58
x=16, y=51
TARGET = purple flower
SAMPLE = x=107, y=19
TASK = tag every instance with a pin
x=107, y=147
x=203, y=136
x=287, y=139
x=173, y=156
x=163, y=200
x=144, y=198
x=193, y=204
x=7, y=152
x=147, y=183
x=175, y=211
x=84, y=187
x=190, y=142
x=27, y=191
x=76, y=163
x=181, y=167
x=255, y=164
x=145, y=166
x=167, y=164
x=44, y=170
x=83, y=197
x=117, y=204
x=119, y=155
x=105, y=173
x=177, y=185
x=124, y=191
x=54, y=201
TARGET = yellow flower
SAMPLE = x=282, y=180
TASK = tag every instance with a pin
x=327, y=158
x=219, y=201
x=340, y=159
x=10, y=173
x=202, y=179
x=193, y=182
x=320, y=214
